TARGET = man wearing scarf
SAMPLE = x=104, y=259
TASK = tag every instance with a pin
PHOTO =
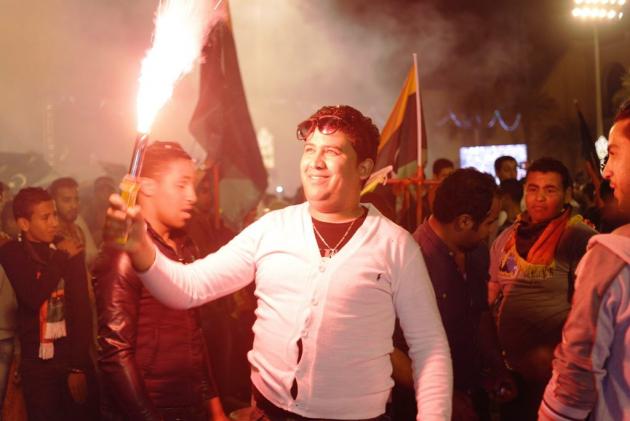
x=54, y=317
x=531, y=281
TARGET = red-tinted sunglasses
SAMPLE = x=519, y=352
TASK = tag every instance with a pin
x=326, y=124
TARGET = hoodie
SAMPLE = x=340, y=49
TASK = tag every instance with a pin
x=591, y=367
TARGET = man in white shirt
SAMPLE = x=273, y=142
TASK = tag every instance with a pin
x=331, y=276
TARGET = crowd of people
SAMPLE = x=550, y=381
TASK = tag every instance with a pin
x=508, y=301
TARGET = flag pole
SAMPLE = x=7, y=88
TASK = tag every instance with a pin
x=420, y=169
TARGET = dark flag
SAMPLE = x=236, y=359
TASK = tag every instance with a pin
x=589, y=153
x=221, y=124
x=399, y=139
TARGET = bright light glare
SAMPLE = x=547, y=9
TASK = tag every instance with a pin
x=180, y=30
x=597, y=13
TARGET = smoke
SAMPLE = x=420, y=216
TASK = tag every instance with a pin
x=82, y=57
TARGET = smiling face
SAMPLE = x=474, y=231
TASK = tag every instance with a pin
x=617, y=169
x=331, y=176
x=545, y=195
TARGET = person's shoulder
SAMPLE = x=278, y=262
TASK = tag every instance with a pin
x=601, y=264
x=10, y=248
x=110, y=262
x=286, y=214
x=502, y=238
x=617, y=243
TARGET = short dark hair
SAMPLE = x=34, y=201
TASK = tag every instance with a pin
x=440, y=164
x=624, y=111
x=513, y=189
x=62, y=183
x=464, y=191
x=361, y=131
x=624, y=114
x=499, y=162
x=551, y=165
x=158, y=155
x=27, y=199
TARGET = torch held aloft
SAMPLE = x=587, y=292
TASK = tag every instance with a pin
x=130, y=185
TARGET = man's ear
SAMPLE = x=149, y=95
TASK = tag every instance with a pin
x=464, y=222
x=365, y=168
x=23, y=224
x=148, y=186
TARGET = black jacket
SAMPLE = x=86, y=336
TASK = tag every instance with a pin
x=151, y=356
x=34, y=270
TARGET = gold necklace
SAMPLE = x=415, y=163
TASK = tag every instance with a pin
x=331, y=251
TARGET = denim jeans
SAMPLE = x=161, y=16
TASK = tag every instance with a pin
x=6, y=356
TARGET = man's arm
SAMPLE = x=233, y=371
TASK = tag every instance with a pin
x=420, y=321
x=117, y=300
x=185, y=286
x=578, y=365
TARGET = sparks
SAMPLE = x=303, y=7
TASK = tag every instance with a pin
x=180, y=30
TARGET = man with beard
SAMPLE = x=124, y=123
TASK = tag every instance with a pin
x=591, y=366
x=453, y=243
x=331, y=276
x=65, y=192
x=152, y=357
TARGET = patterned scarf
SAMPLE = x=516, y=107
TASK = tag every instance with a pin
x=543, y=251
x=52, y=320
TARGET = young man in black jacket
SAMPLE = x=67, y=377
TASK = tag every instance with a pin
x=54, y=317
x=153, y=358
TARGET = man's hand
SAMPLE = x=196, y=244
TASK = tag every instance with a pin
x=70, y=246
x=77, y=385
x=126, y=222
x=501, y=386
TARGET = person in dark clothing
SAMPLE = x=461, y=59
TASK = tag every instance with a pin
x=153, y=358
x=453, y=245
x=54, y=317
x=226, y=322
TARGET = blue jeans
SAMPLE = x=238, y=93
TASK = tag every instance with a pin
x=6, y=357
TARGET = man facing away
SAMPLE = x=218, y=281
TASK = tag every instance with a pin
x=153, y=358
x=331, y=276
x=453, y=244
x=591, y=366
x=531, y=280
x=54, y=317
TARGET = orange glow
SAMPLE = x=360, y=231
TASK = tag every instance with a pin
x=180, y=30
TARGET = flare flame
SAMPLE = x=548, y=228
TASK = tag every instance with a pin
x=181, y=27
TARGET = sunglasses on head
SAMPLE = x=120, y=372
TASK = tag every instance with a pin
x=326, y=124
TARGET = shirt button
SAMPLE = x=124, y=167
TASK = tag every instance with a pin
x=322, y=268
x=314, y=301
x=305, y=334
x=444, y=296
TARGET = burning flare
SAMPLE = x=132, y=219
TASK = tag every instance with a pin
x=181, y=27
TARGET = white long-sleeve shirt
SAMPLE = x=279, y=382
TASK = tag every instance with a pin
x=343, y=308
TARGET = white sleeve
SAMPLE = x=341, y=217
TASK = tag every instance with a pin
x=216, y=275
x=429, y=351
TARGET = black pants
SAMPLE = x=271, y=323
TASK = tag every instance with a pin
x=266, y=411
x=46, y=393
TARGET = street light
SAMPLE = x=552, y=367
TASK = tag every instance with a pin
x=598, y=11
